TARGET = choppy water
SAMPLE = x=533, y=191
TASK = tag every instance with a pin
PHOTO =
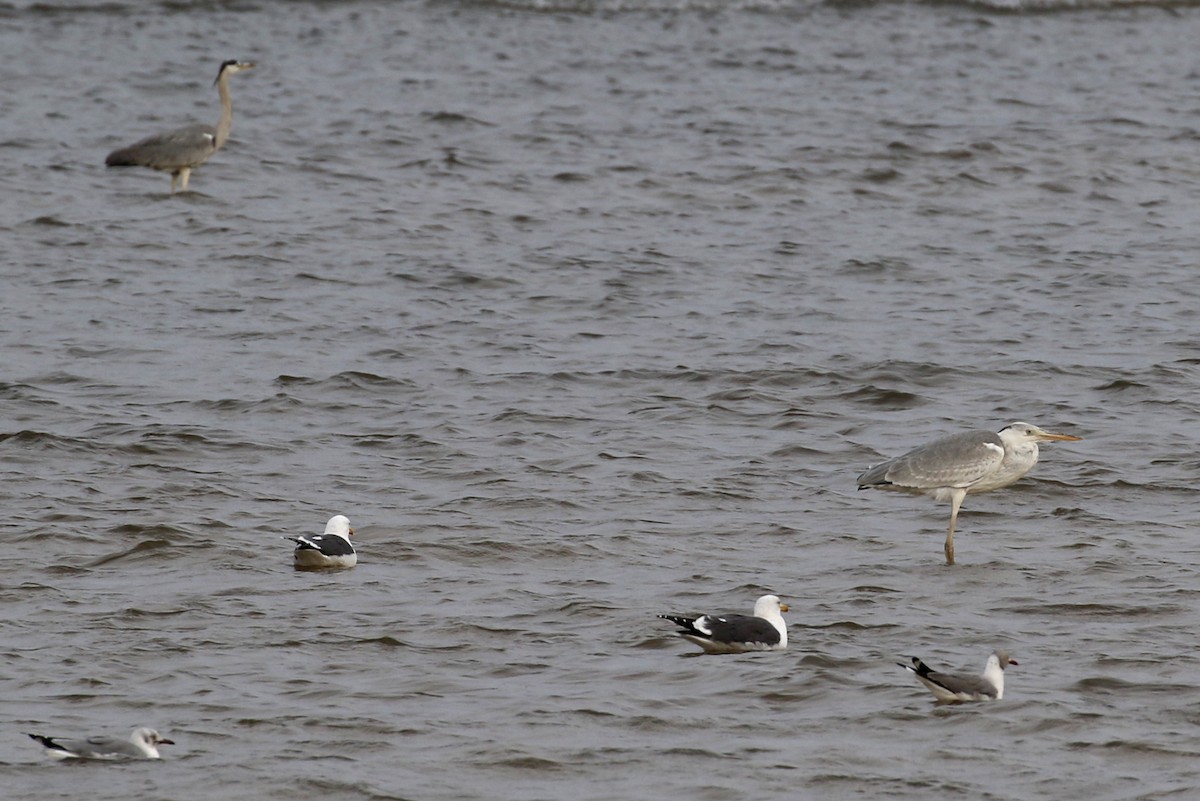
x=584, y=313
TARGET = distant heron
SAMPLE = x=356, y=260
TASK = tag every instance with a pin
x=951, y=468
x=184, y=149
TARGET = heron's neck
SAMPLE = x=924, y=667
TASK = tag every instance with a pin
x=226, y=122
x=1020, y=451
x=1026, y=453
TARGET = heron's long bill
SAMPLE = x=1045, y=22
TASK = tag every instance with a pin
x=1062, y=437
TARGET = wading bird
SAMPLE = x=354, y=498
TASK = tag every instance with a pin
x=184, y=149
x=953, y=467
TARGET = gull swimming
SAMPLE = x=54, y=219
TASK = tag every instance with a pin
x=765, y=630
x=953, y=467
x=331, y=549
x=142, y=744
x=988, y=686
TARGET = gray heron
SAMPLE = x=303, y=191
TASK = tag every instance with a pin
x=184, y=149
x=953, y=467
x=949, y=689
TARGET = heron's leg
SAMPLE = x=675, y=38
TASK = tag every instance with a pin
x=955, y=502
x=174, y=179
x=184, y=173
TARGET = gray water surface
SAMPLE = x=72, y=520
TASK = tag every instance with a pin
x=583, y=314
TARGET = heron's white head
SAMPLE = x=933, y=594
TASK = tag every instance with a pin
x=1022, y=433
x=340, y=526
x=232, y=66
x=769, y=606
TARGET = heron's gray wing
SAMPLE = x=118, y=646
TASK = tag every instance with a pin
x=182, y=147
x=955, y=461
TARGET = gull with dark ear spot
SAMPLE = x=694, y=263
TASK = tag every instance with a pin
x=331, y=549
x=142, y=744
x=949, y=689
x=765, y=630
x=951, y=468
x=184, y=149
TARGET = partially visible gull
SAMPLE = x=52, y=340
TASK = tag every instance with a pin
x=765, y=630
x=142, y=744
x=989, y=686
x=953, y=467
x=331, y=549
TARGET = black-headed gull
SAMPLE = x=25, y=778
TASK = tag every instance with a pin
x=331, y=549
x=142, y=744
x=765, y=630
x=989, y=686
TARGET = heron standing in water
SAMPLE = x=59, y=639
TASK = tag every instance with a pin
x=184, y=149
x=953, y=467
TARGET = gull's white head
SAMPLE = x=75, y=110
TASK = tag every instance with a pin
x=769, y=606
x=339, y=525
x=1003, y=660
x=148, y=740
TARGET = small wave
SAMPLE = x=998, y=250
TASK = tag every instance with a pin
x=886, y=398
x=1099, y=611
x=141, y=549
x=641, y=6
x=1051, y=6
x=119, y=9
x=43, y=440
x=530, y=763
x=798, y=7
x=349, y=379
